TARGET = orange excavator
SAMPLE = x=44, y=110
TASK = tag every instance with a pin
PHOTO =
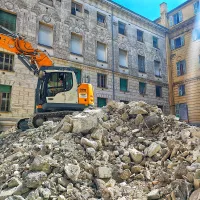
x=57, y=93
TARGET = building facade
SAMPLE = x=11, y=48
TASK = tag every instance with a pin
x=183, y=58
x=122, y=54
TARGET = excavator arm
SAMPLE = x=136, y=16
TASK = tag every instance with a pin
x=32, y=58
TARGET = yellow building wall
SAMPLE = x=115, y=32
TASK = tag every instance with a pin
x=190, y=53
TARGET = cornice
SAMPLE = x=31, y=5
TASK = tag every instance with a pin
x=134, y=15
x=183, y=26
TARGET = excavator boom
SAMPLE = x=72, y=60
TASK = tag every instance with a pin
x=32, y=58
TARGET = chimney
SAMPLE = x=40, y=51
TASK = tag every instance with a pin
x=163, y=14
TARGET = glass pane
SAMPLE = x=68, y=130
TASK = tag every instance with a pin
x=100, y=18
x=3, y=104
x=178, y=42
x=1, y=57
x=45, y=35
x=121, y=28
x=139, y=35
x=8, y=20
x=158, y=91
x=101, y=51
x=141, y=63
x=76, y=44
x=69, y=81
x=7, y=58
x=122, y=58
x=6, y=67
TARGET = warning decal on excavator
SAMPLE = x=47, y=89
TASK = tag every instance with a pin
x=83, y=95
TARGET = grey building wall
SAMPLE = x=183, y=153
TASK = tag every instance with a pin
x=31, y=12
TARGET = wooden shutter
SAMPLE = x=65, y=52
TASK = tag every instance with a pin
x=142, y=88
x=180, y=16
x=101, y=102
x=171, y=21
x=194, y=35
x=123, y=84
x=184, y=66
x=172, y=45
x=183, y=111
x=180, y=91
x=8, y=20
x=76, y=44
x=45, y=35
x=5, y=89
x=178, y=68
x=177, y=110
x=182, y=40
x=196, y=7
x=141, y=63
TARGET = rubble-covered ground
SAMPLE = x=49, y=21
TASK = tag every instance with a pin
x=120, y=152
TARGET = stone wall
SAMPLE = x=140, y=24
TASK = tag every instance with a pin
x=31, y=12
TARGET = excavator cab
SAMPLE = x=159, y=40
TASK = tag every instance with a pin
x=58, y=90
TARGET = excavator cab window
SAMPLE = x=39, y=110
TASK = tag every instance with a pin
x=59, y=82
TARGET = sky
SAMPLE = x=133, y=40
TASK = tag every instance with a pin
x=149, y=8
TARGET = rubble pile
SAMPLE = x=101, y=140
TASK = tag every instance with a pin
x=120, y=152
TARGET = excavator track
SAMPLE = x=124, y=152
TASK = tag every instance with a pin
x=37, y=119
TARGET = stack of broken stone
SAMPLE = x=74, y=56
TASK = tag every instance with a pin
x=120, y=152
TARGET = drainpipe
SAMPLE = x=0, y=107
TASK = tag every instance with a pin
x=113, y=56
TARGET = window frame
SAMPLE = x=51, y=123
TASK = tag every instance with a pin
x=160, y=71
x=47, y=2
x=145, y=88
x=182, y=42
x=52, y=31
x=196, y=8
x=161, y=92
x=81, y=9
x=101, y=80
x=181, y=90
x=177, y=110
x=126, y=58
x=138, y=36
x=14, y=15
x=105, y=46
x=8, y=100
x=139, y=67
x=179, y=69
x=124, y=31
x=103, y=24
x=11, y=57
x=154, y=37
x=98, y=98
x=172, y=18
x=81, y=41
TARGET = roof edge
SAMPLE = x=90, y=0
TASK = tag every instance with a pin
x=134, y=13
